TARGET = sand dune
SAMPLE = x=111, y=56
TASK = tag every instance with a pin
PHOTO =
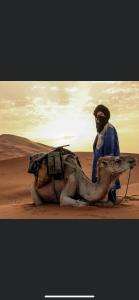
x=12, y=146
x=15, y=186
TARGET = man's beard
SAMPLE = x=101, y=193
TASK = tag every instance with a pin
x=100, y=123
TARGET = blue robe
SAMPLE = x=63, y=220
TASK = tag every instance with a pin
x=106, y=143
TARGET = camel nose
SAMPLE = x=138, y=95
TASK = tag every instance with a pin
x=133, y=162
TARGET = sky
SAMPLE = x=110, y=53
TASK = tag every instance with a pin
x=61, y=112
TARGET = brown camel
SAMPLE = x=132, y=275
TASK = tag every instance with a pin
x=75, y=188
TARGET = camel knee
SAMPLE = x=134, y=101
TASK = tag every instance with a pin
x=35, y=197
x=67, y=201
x=62, y=200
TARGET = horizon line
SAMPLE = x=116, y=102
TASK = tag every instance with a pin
x=50, y=146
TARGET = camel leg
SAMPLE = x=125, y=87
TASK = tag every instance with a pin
x=68, y=192
x=35, y=197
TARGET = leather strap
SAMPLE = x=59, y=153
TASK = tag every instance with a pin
x=54, y=187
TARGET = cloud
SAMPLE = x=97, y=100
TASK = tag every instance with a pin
x=27, y=107
x=118, y=96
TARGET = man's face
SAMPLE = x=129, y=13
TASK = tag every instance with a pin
x=101, y=121
x=100, y=113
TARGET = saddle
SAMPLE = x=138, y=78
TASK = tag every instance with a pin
x=53, y=161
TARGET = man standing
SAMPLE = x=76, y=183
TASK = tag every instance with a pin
x=106, y=143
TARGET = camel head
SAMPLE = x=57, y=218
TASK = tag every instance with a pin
x=115, y=166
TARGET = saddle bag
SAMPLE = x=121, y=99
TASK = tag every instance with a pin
x=55, y=165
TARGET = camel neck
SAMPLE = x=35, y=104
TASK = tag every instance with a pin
x=93, y=191
x=105, y=179
x=103, y=185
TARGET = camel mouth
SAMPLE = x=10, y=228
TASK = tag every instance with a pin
x=133, y=163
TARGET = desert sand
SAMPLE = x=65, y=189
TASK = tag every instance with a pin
x=15, y=184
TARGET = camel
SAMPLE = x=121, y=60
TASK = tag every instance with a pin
x=75, y=188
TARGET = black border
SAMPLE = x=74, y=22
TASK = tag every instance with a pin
x=69, y=40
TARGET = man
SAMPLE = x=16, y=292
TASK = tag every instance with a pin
x=106, y=143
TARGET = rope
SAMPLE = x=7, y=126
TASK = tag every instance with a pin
x=125, y=196
x=127, y=183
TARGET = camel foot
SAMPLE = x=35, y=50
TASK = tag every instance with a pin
x=107, y=204
x=81, y=203
x=118, y=201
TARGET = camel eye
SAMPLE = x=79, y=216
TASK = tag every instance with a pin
x=118, y=161
x=104, y=163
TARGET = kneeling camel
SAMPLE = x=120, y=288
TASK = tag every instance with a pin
x=75, y=188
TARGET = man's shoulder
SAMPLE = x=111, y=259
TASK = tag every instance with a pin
x=110, y=129
x=110, y=126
